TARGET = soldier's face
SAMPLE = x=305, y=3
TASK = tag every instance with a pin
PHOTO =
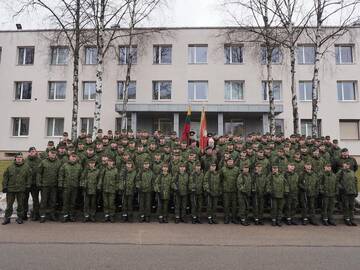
x=92, y=165
x=157, y=157
x=104, y=160
x=346, y=166
x=165, y=169
x=81, y=146
x=182, y=169
x=197, y=168
x=128, y=166
x=245, y=170
x=258, y=169
x=308, y=167
x=110, y=163
x=327, y=168
x=19, y=160
x=212, y=168
x=275, y=169
x=230, y=162
x=291, y=168
x=72, y=158
x=33, y=153
x=146, y=165
x=52, y=155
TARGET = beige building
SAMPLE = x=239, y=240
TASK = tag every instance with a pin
x=173, y=69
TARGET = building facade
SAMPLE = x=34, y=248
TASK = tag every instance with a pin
x=172, y=69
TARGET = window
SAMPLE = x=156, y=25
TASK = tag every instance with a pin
x=276, y=90
x=26, y=55
x=118, y=123
x=305, y=91
x=279, y=126
x=165, y=125
x=234, y=90
x=343, y=54
x=276, y=55
x=346, y=91
x=20, y=126
x=349, y=130
x=235, y=127
x=306, y=127
x=57, y=90
x=23, y=90
x=162, y=90
x=55, y=127
x=306, y=54
x=89, y=91
x=198, y=90
x=87, y=124
x=125, y=54
x=162, y=54
x=91, y=55
x=233, y=54
x=59, y=55
x=131, y=90
x=198, y=54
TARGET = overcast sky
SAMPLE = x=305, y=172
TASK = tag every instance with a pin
x=177, y=13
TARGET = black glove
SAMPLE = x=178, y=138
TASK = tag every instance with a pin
x=5, y=190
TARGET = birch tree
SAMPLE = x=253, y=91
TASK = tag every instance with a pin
x=262, y=25
x=341, y=13
x=293, y=16
x=69, y=17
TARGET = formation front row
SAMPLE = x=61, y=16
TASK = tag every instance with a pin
x=239, y=191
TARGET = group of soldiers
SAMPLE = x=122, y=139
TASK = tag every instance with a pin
x=243, y=176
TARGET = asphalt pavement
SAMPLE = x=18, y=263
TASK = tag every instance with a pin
x=170, y=246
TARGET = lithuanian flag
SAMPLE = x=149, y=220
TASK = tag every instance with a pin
x=186, y=130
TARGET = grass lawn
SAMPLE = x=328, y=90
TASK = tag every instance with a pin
x=3, y=166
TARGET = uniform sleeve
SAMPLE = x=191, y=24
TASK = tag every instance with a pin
x=156, y=184
x=206, y=182
x=138, y=180
x=39, y=175
x=61, y=176
x=29, y=177
x=83, y=178
x=6, y=179
x=240, y=183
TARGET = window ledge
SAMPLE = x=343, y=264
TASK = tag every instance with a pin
x=22, y=100
x=235, y=101
x=24, y=65
x=234, y=64
x=61, y=65
x=46, y=137
x=56, y=100
x=130, y=100
x=162, y=64
x=19, y=137
x=199, y=100
x=346, y=64
x=348, y=101
x=162, y=100
x=197, y=64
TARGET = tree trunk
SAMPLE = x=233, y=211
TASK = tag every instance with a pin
x=76, y=52
x=99, y=68
x=269, y=83
x=293, y=92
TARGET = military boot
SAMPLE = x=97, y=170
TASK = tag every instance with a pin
x=210, y=221
x=177, y=220
x=288, y=221
x=92, y=218
x=165, y=220
x=19, y=220
x=294, y=222
x=6, y=221
x=112, y=219
x=198, y=220
x=325, y=222
x=348, y=222
x=305, y=221
x=244, y=222
x=183, y=220
x=42, y=219
x=279, y=222
x=226, y=220
x=65, y=218
x=147, y=219
x=161, y=219
x=273, y=222
x=193, y=221
x=142, y=218
x=332, y=222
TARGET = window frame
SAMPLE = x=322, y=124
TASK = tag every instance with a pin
x=158, y=49
x=263, y=52
x=127, y=47
x=118, y=90
x=195, y=46
x=338, y=49
x=89, y=94
x=195, y=90
x=158, y=84
x=303, y=46
x=18, y=135
x=88, y=125
x=357, y=121
x=93, y=48
x=56, y=49
x=55, y=90
x=230, y=47
x=23, y=58
x=231, y=82
x=307, y=122
x=22, y=91
x=53, y=127
x=264, y=84
x=354, y=83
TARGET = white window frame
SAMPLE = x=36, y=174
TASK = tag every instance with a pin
x=92, y=60
x=19, y=126
x=88, y=120
x=118, y=90
x=354, y=83
x=308, y=127
x=264, y=51
x=231, y=82
x=303, y=46
x=231, y=47
x=307, y=100
x=158, y=49
x=158, y=86
x=88, y=94
x=23, y=59
x=338, y=49
x=194, y=47
x=195, y=90
x=264, y=84
x=55, y=90
x=55, y=52
x=357, y=122
x=53, y=126
x=126, y=60
x=22, y=90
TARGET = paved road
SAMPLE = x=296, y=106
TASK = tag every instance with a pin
x=170, y=246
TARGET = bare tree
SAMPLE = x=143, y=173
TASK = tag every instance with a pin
x=262, y=25
x=138, y=11
x=288, y=13
x=69, y=16
x=325, y=11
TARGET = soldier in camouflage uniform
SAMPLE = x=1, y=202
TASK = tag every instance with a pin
x=196, y=183
x=162, y=188
x=229, y=175
x=180, y=187
x=213, y=190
